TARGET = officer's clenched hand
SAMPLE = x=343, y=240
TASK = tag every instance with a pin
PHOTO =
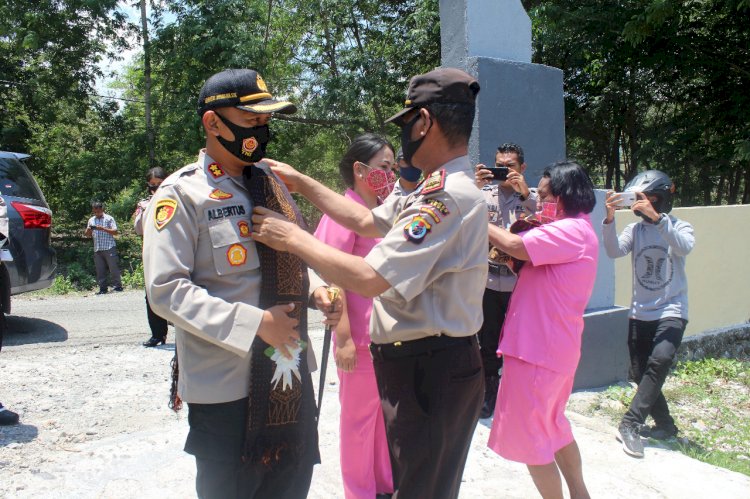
x=331, y=309
x=291, y=177
x=272, y=229
x=278, y=329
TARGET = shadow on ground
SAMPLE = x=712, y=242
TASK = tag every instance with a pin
x=26, y=330
x=20, y=433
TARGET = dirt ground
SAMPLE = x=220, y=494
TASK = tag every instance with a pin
x=94, y=420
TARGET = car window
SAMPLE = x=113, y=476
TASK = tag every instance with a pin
x=15, y=180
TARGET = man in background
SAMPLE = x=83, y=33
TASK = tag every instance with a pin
x=103, y=229
x=507, y=201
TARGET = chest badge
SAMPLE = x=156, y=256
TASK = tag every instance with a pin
x=236, y=255
x=219, y=194
x=215, y=170
x=164, y=212
x=416, y=230
x=244, y=228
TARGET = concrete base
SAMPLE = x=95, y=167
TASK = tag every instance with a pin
x=604, y=348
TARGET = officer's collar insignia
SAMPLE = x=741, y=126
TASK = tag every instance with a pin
x=164, y=212
x=219, y=194
x=435, y=182
x=416, y=229
x=215, y=170
x=244, y=228
x=438, y=205
x=236, y=255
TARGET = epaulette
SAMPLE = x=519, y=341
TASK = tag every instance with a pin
x=434, y=182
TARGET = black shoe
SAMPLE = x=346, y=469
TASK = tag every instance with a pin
x=102, y=291
x=152, y=342
x=7, y=418
x=631, y=440
x=660, y=432
x=118, y=289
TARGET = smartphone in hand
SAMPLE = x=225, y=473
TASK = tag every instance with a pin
x=627, y=199
x=499, y=172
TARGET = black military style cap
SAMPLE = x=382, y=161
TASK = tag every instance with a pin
x=243, y=89
x=441, y=85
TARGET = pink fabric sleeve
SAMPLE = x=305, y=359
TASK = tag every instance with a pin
x=335, y=235
x=560, y=241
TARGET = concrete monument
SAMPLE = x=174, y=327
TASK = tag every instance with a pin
x=523, y=103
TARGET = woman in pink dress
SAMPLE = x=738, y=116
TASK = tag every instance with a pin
x=541, y=338
x=367, y=170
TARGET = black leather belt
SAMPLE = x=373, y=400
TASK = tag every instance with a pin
x=422, y=346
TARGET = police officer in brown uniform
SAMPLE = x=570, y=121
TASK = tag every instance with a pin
x=507, y=201
x=427, y=276
x=242, y=367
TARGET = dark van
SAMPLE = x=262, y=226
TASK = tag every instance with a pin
x=28, y=260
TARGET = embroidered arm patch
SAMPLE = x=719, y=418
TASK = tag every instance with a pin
x=164, y=212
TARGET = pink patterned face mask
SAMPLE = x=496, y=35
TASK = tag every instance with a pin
x=548, y=213
x=380, y=181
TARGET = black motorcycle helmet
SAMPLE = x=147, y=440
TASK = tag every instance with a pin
x=653, y=183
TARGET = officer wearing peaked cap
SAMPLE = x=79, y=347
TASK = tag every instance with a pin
x=427, y=276
x=242, y=363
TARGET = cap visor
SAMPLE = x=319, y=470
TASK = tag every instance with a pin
x=395, y=118
x=270, y=106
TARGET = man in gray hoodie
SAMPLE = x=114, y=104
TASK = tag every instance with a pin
x=659, y=245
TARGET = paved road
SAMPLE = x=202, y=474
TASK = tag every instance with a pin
x=95, y=422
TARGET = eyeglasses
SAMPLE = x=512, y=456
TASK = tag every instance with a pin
x=152, y=187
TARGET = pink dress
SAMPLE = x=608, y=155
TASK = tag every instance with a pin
x=541, y=341
x=365, y=462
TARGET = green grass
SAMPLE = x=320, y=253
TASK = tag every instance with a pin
x=710, y=402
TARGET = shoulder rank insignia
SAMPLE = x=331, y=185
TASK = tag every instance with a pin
x=416, y=229
x=435, y=182
x=219, y=194
x=236, y=255
x=164, y=212
x=215, y=170
x=244, y=228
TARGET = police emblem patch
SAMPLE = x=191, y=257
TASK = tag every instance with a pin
x=163, y=212
x=435, y=182
x=236, y=255
x=416, y=230
x=215, y=170
x=244, y=228
x=249, y=145
x=219, y=194
x=261, y=84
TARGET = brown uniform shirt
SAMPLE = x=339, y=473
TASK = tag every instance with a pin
x=434, y=255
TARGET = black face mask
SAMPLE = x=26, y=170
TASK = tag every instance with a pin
x=249, y=144
x=408, y=146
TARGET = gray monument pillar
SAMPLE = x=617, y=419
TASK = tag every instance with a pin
x=523, y=103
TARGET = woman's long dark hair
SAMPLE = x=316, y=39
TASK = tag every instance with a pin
x=570, y=182
x=361, y=149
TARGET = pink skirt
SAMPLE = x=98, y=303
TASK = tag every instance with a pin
x=530, y=424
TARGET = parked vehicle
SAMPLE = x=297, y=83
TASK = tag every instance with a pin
x=29, y=262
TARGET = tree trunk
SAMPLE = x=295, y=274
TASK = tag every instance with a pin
x=147, y=84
